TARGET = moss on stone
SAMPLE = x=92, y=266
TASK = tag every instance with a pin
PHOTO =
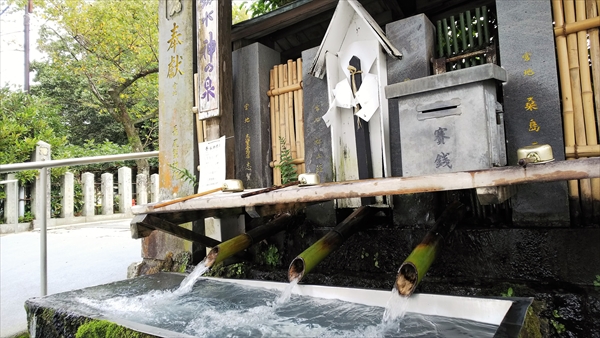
x=103, y=328
x=531, y=326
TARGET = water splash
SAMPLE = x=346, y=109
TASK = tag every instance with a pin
x=287, y=293
x=395, y=308
x=188, y=282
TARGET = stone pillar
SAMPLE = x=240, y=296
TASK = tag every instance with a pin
x=317, y=138
x=141, y=188
x=66, y=190
x=11, y=203
x=125, y=194
x=89, y=194
x=414, y=37
x=177, y=143
x=42, y=153
x=531, y=104
x=154, y=189
x=107, y=190
x=251, y=114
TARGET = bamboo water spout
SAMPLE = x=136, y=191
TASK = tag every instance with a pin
x=229, y=248
x=415, y=266
x=308, y=259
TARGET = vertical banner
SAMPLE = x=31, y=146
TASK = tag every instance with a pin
x=208, y=56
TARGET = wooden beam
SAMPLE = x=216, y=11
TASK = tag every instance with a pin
x=280, y=19
x=502, y=176
x=141, y=224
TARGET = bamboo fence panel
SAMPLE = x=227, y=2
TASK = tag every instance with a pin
x=287, y=121
x=576, y=25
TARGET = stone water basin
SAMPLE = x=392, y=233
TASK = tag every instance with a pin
x=235, y=308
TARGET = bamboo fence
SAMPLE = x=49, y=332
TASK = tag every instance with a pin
x=578, y=52
x=287, y=121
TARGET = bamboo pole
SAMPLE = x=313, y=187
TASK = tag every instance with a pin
x=309, y=258
x=567, y=102
x=290, y=112
x=587, y=97
x=273, y=121
x=580, y=138
x=300, y=124
x=283, y=123
x=183, y=199
x=592, y=11
x=229, y=248
x=414, y=268
x=582, y=151
x=501, y=176
x=277, y=148
x=286, y=89
x=579, y=26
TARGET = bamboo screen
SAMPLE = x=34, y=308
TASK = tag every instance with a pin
x=464, y=39
x=578, y=49
x=287, y=123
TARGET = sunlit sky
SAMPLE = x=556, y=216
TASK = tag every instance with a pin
x=12, y=56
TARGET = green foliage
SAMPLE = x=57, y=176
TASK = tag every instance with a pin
x=103, y=328
x=111, y=47
x=559, y=327
x=260, y=7
x=597, y=281
x=185, y=175
x=25, y=120
x=271, y=256
x=509, y=293
x=288, y=170
x=239, y=13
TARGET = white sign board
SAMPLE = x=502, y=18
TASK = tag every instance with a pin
x=212, y=164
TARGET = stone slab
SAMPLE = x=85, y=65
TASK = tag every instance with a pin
x=414, y=37
x=251, y=114
x=317, y=137
x=530, y=62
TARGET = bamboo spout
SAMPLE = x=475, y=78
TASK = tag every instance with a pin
x=307, y=260
x=415, y=266
x=244, y=241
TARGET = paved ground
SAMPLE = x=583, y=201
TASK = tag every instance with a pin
x=78, y=256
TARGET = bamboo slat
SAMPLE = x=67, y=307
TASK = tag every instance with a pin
x=277, y=152
x=299, y=116
x=290, y=112
x=296, y=117
x=286, y=89
x=594, y=33
x=273, y=120
x=587, y=95
x=565, y=84
x=585, y=186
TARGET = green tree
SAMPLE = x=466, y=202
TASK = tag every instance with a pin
x=25, y=120
x=260, y=7
x=239, y=13
x=83, y=120
x=111, y=45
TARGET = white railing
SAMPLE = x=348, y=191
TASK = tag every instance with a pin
x=43, y=194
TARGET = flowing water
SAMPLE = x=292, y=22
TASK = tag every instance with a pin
x=220, y=309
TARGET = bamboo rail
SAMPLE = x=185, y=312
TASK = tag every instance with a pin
x=576, y=27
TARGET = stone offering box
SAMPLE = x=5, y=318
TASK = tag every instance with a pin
x=451, y=122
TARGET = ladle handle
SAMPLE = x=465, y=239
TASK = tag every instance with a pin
x=275, y=187
x=181, y=199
